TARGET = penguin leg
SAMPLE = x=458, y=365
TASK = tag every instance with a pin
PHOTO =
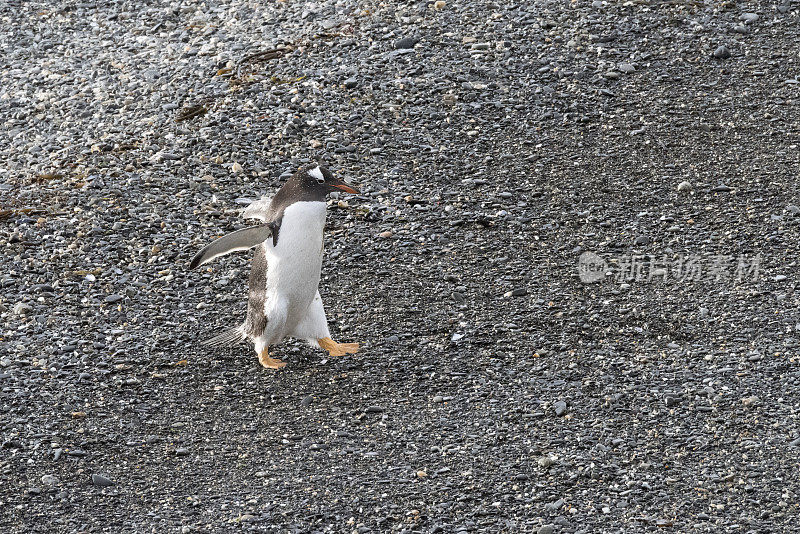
x=268, y=362
x=314, y=328
x=275, y=318
x=337, y=349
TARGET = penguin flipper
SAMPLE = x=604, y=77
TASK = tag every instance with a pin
x=239, y=240
x=258, y=209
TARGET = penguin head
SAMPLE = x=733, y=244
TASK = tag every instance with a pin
x=321, y=179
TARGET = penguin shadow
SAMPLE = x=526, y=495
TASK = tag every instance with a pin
x=300, y=356
x=297, y=354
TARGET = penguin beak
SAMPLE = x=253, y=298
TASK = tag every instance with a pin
x=345, y=187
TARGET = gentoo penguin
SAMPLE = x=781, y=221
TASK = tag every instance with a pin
x=283, y=297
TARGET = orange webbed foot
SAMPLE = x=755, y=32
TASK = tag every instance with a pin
x=268, y=362
x=337, y=349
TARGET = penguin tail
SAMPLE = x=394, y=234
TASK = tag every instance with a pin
x=231, y=336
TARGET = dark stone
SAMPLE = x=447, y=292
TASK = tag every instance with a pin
x=406, y=42
x=722, y=52
x=101, y=481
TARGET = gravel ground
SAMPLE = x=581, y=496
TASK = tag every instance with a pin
x=495, y=144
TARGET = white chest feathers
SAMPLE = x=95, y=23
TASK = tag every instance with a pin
x=293, y=266
x=301, y=228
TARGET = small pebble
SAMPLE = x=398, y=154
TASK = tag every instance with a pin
x=750, y=402
x=626, y=68
x=49, y=480
x=546, y=461
x=22, y=308
x=748, y=18
x=722, y=52
x=101, y=481
x=406, y=42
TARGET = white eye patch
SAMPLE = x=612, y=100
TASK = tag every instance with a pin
x=316, y=173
